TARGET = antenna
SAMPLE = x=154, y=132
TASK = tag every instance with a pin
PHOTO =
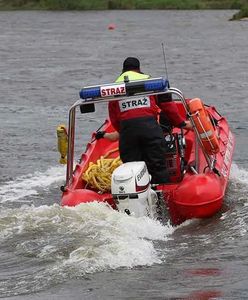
x=165, y=66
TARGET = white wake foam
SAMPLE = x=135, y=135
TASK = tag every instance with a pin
x=84, y=239
x=239, y=174
x=124, y=241
x=23, y=186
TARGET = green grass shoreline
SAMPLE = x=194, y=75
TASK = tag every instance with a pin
x=126, y=4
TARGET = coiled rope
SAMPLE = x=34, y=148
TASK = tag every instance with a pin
x=98, y=175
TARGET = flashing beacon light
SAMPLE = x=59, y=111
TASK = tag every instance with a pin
x=124, y=88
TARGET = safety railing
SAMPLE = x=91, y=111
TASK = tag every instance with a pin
x=81, y=102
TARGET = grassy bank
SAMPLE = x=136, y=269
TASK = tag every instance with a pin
x=119, y=4
x=242, y=14
x=126, y=4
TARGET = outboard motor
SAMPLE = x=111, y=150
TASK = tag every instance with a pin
x=131, y=189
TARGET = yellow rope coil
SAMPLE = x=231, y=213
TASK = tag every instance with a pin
x=98, y=175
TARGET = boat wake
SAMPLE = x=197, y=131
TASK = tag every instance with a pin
x=238, y=187
x=239, y=174
x=72, y=242
x=49, y=244
x=28, y=185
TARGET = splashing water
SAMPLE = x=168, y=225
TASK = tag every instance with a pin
x=238, y=185
x=73, y=242
x=28, y=185
x=239, y=174
x=95, y=227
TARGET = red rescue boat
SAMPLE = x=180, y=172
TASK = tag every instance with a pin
x=198, y=160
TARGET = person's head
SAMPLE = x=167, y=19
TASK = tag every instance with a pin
x=131, y=64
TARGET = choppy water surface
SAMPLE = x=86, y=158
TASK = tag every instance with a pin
x=91, y=251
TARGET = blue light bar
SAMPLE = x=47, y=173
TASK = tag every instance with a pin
x=91, y=92
x=124, y=88
x=156, y=85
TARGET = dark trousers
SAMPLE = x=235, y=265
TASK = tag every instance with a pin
x=142, y=139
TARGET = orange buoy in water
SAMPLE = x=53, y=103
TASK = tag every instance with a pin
x=111, y=26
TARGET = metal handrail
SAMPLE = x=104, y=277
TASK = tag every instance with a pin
x=72, y=116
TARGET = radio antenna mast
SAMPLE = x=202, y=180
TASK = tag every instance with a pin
x=165, y=66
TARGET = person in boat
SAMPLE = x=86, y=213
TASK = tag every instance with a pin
x=140, y=136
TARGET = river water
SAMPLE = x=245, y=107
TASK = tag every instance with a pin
x=91, y=252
